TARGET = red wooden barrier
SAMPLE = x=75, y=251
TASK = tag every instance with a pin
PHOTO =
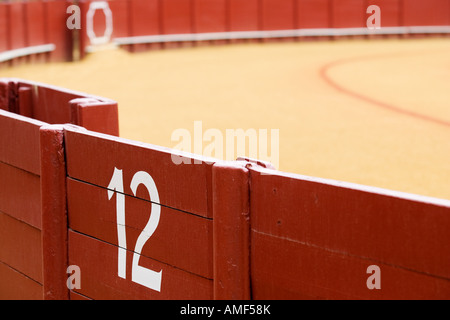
x=231, y=232
x=4, y=21
x=56, y=31
x=19, y=145
x=426, y=13
x=277, y=14
x=20, y=210
x=313, y=238
x=15, y=286
x=121, y=18
x=16, y=25
x=34, y=20
x=177, y=17
x=33, y=225
x=243, y=15
x=144, y=17
x=54, y=213
x=210, y=16
x=348, y=13
x=107, y=211
x=313, y=14
x=391, y=12
x=55, y=105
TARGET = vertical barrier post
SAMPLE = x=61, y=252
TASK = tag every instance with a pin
x=54, y=212
x=95, y=115
x=231, y=231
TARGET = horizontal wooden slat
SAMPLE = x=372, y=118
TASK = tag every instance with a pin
x=182, y=240
x=16, y=286
x=20, y=195
x=285, y=269
x=93, y=157
x=99, y=279
x=20, y=247
x=19, y=141
x=404, y=230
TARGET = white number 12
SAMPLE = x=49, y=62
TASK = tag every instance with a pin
x=146, y=277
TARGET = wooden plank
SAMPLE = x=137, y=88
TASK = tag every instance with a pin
x=16, y=286
x=391, y=12
x=56, y=16
x=243, y=15
x=177, y=17
x=277, y=15
x=210, y=16
x=51, y=104
x=313, y=14
x=54, y=212
x=21, y=247
x=348, y=14
x=20, y=195
x=398, y=229
x=425, y=13
x=144, y=17
x=4, y=30
x=35, y=23
x=100, y=280
x=181, y=239
x=95, y=115
x=286, y=269
x=93, y=157
x=16, y=25
x=231, y=232
x=19, y=141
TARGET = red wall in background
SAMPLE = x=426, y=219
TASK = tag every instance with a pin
x=313, y=14
x=177, y=16
x=210, y=16
x=243, y=15
x=277, y=14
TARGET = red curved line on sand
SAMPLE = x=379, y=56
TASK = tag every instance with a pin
x=324, y=74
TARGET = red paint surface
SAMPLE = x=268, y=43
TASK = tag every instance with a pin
x=348, y=13
x=210, y=16
x=287, y=269
x=21, y=247
x=426, y=13
x=243, y=15
x=231, y=232
x=16, y=286
x=177, y=16
x=16, y=25
x=144, y=17
x=34, y=21
x=19, y=143
x=313, y=14
x=54, y=213
x=121, y=17
x=4, y=21
x=277, y=15
x=95, y=115
x=56, y=31
x=183, y=187
x=391, y=12
x=181, y=239
x=342, y=228
x=20, y=195
x=100, y=280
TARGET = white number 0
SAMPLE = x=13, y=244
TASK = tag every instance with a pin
x=141, y=275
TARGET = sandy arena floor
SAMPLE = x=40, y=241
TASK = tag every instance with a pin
x=375, y=113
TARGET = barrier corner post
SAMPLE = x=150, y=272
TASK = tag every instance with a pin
x=95, y=115
x=54, y=212
x=231, y=232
